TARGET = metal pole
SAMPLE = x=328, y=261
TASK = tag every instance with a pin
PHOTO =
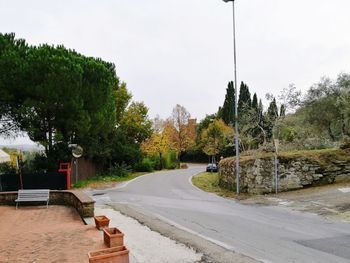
x=276, y=143
x=276, y=174
x=76, y=170
x=236, y=96
x=236, y=100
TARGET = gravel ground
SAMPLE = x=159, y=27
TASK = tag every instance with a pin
x=146, y=245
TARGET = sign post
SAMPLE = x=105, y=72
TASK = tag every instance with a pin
x=65, y=168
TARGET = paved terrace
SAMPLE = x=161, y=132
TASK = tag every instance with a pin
x=36, y=234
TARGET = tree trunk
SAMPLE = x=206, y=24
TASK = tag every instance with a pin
x=160, y=161
x=331, y=133
x=263, y=132
x=46, y=151
x=178, y=159
x=50, y=138
x=343, y=126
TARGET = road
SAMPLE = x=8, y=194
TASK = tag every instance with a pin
x=265, y=233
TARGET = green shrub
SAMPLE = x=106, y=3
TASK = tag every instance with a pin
x=155, y=162
x=289, y=134
x=7, y=168
x=169, y=160
x=120, y=170
x=145, y=166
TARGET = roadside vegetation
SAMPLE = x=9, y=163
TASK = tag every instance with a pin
x=102, y=181
x=209, y=182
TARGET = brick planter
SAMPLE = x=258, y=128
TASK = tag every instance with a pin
x=110, y=255
x=101, y=222
x=113, y=237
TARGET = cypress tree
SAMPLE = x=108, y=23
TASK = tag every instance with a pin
x=260, y=109
x=227, y=112
x=244, y=101
x=283, y=111
x=272, y=111
x=255, y=102
x=271, y=117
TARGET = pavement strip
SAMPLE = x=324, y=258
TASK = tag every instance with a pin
x=146, y=245
x=344, y=190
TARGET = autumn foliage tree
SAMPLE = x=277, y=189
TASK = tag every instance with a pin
x=184, y=132
x=160, y=141
x=216, y=137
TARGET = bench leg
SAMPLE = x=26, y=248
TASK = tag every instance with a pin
x=47, y=204
x=16, y=205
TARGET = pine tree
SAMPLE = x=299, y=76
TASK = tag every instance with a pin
x=227, y=112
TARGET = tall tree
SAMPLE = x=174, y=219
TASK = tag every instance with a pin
x=122, y=100
x=244, y=100
x=216, y=137
x=343, y=81
x=255, y=102
x=283, y=111
x=136, y=123
x=53, y=105
x=203, y=124
x=252, y=128
x=160, y=141
x=271, y=117
x=260, y=123
x=13, y=64
x=291, y=98
x=57, y=96
x=322, y=98
x=227, y=112
x=184, y=135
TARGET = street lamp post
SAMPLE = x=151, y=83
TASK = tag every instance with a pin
x=236, y=96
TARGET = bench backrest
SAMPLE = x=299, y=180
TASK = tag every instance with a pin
x=40, y=193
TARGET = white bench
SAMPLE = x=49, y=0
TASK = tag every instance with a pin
x=41, y=195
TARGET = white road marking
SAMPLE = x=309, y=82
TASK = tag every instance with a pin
x=217, y=242
x=125, y=184
x=285, y=203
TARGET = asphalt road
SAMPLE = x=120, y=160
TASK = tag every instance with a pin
x=265, y=233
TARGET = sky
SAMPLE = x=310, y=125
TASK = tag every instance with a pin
x=181, y=52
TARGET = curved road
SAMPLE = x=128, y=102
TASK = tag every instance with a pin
x=268, y=234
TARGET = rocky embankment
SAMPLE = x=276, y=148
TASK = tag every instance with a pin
x=295, y=170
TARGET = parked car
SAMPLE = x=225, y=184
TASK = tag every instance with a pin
x=212, y=167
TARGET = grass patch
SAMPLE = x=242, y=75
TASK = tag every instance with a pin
x=209, y=182
x=101, y=181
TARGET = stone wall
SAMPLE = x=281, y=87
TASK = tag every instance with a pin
x=295, y=170
x=77, y=199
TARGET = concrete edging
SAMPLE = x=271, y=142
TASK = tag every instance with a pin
x=77, y=199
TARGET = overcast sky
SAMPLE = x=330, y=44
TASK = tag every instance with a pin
x=180, y=51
